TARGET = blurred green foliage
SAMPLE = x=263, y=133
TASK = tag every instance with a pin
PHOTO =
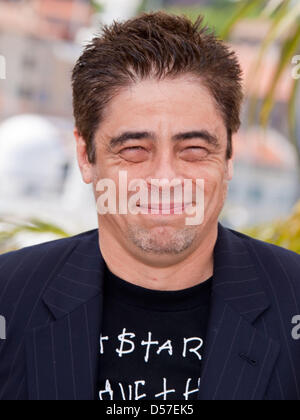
x=97, y=6
x=213, y=17
x=284, y=233
x=11, y=230
x=283, y=35
x=217, y=15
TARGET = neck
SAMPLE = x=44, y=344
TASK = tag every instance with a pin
x=187, y=272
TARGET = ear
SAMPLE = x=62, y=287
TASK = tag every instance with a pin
x=82, y=158
x=229, y=169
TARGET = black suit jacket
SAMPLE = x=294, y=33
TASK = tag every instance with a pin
x=51, y=297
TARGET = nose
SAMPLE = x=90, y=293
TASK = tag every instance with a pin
x=164, y=169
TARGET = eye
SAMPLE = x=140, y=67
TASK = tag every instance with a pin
x=194, y=153
x=134, y=153
x=133, y=148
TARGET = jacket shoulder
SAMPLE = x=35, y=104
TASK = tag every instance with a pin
x=17, y=263
x=274, y=261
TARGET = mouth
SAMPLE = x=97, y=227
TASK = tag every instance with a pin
x=161, y=208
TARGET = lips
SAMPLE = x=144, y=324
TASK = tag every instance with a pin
x=172, y=207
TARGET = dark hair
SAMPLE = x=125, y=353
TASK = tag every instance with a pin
x=156, y=45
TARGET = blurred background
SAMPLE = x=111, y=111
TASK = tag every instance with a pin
x=42, y=196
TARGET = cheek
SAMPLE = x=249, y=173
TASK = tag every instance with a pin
x=103, y=170
x=215, y=192
x=213, y=181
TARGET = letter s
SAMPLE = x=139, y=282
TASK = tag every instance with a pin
x=296, y=329
x=2, y=328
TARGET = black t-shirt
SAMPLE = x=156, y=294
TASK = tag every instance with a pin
x=152, y=342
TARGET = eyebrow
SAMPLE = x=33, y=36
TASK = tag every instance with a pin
x=138, y=135
x=131, y=135
x=202, y=134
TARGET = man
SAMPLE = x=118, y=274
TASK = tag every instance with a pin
x=150, y=306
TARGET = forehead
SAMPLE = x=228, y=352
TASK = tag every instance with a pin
x=169, y=104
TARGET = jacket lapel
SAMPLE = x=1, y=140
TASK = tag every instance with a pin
x=238, y=359
x=62, y=358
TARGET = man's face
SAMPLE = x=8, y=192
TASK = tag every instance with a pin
x=162, y=111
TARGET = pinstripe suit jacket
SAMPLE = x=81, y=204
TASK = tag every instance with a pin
x=51, y=297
